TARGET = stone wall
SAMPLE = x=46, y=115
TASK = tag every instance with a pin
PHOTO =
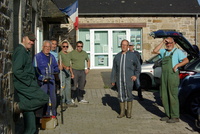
x=13, y=23
x=186, y=25
x=6, y=88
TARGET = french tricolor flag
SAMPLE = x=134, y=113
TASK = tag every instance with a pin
x=72, y=12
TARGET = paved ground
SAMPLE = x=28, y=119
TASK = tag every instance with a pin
x=99, y=116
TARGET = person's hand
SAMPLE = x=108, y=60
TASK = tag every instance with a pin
x=60, y=67
x=113, y=84
x=175, y=68
x=46, y=80
x=133, y=78
x=86, y=71
x=72, y=76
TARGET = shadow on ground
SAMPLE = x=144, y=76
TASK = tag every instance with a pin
x=111, y=101
x=106, y=79
x=152, y=106
x=190, y=121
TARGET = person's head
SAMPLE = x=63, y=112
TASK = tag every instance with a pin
x=28, y=40
x=131, y=46
x=79, y=46
x=169, y=43
x=124, y=45
x=46, y=47
x=64, y=46
x=54, y=44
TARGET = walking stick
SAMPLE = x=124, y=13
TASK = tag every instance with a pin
x=61, y=90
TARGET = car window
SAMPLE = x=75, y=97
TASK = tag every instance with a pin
x=153, y=59
x=195, y=65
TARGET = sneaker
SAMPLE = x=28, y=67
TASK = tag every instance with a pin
x=173, y=120
x=72, y=105
x=83, y=102
x=164, y=118
x=73, y=101
x=55, y=120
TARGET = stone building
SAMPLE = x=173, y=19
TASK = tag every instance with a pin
x=17, y=17
x=104, y=23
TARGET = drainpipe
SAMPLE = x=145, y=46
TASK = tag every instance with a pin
x=196, y=29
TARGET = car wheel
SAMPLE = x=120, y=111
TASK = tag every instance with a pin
x=145, y=81
x=193, y=104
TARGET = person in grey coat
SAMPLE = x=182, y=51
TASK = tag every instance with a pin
x=126, y=69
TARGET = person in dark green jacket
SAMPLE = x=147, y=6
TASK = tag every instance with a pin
x=31, y=97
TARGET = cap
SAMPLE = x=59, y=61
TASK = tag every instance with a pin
x=30, y=35
x=131, y=44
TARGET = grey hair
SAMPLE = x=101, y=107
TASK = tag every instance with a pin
x=46, y=41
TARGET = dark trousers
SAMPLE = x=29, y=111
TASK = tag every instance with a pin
x=29, y=122
x=138, y=88
x=31, y=98
x=79, y=83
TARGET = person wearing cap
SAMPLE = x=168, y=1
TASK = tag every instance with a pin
x=126, y=69
x=172, y=59
x=31, y=97
x=137, y=82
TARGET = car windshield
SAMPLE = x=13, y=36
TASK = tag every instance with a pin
x=153, y=59
x=194, y=66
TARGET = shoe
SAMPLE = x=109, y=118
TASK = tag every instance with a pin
x=173, y=120
x=72, y=105
x=83, y=102
x=122, y=110
x=16, y=111
x=73, y=101
x=55, y=120
x=164, y=119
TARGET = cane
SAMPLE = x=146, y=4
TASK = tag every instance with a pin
x=61, y=90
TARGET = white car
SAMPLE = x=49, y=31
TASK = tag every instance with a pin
x=148, y=75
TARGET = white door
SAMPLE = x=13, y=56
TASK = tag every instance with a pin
x=104, y=45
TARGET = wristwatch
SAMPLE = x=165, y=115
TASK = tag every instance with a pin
x=88, y=68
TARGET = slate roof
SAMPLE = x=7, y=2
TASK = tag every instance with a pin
x=134, y=7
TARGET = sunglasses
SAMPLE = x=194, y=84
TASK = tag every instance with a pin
x=79, y=46
x=65, y=46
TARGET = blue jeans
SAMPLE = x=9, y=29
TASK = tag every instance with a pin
x=66, y=86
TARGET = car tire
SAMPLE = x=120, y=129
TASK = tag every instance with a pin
x=145, y=81
x=193, y=104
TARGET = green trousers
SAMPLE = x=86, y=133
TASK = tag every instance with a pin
x=29, y=123
x=169, y=88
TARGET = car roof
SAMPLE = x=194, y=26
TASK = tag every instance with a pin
x=178, y=38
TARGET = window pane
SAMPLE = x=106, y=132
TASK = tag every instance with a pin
x=101, y=42
x=118, y=36
x=84, y=35
x=136, y=39
x=101, y=60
